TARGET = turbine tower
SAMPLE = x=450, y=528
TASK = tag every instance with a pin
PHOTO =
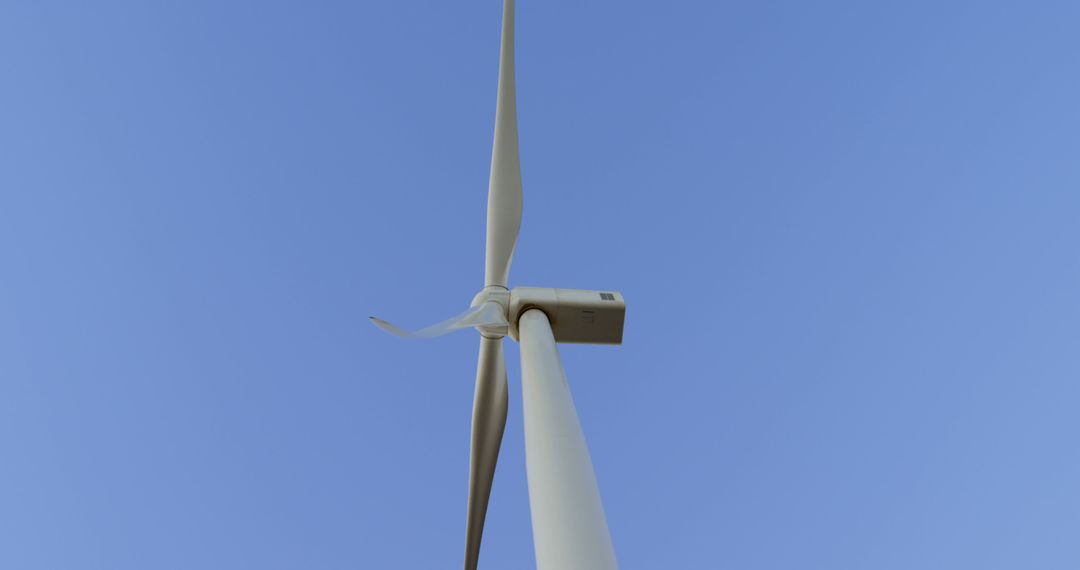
x=569, y=528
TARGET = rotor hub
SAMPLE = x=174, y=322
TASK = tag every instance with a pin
x=501, y=297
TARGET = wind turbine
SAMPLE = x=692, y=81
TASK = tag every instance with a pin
x=569, y=528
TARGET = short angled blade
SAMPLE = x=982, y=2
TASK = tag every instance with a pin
x=484, y=314
x=488, y=422
x=504, y=189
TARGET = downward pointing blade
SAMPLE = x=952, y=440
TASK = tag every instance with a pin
x=488, y=422
x=504, y=189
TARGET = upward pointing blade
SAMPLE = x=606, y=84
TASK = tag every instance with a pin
x=504, y=189
x=488, y=423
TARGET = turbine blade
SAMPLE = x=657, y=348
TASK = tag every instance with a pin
x=489, y=313
x=504, y=189
x=488, y=422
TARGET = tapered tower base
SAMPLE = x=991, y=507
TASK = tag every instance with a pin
x=569, y=528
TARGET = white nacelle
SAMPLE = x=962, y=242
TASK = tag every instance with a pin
x=577, y=316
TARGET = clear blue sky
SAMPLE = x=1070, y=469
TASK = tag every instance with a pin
x=849, y=236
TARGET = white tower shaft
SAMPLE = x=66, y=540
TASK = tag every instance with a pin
x=569, y=528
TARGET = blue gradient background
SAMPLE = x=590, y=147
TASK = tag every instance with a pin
x=847, y=232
